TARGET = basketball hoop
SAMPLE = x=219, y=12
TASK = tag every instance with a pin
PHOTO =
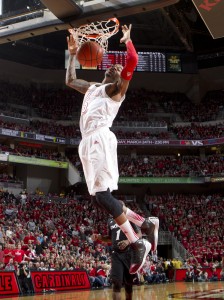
x=99, y=31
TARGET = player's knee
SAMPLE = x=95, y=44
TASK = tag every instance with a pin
x=117, y=285
x=95, y=202
x=109, y=203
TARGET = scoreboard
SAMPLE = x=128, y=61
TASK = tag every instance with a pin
x=160, y=62
x=147, y=61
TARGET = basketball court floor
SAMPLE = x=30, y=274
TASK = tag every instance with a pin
x=179, y=290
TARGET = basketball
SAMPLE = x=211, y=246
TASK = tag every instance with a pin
x=90, y=54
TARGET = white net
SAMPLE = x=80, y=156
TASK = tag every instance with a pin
x=99, y=32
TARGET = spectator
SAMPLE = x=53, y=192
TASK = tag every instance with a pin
x=222, y=274
x=2, y=266
x=203, y=276
x=189, y=277
x=31, y=225
x=19, y=254
x=214, y=276
x=1, y=254
x=9, y=232
x=23, y=199
x=170, y=271
x=38, y=248
x=44, y=244
x=8, y=253
x=10, y=266
x=94, y=280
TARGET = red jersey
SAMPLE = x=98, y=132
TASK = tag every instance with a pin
x=19, y=254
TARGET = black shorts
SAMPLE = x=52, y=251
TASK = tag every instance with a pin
x=120, y=268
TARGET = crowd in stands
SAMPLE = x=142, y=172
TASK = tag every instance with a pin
x=15, y=93
x=195, y=220
x=50, y=103
x=163, y=166
x=171, y=166
x=15, y=126
x=191, y=132
x=42, y=152
x=134, y=165
x=207, y=110
x=196, y=273
x=66, y=131
x=56, y=104
x=37, y=233
x=63, y=104
x=7, y=110
x=4, y=177
x=138, y=103
x=47, y=128
x=195, y=131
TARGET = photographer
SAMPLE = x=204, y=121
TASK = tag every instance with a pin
x=23, y=274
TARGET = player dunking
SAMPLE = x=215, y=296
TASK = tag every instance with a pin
x=98, y=147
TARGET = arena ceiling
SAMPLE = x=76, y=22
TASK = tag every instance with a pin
x=177, y=27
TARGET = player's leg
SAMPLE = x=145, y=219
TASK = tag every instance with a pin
x=140, y=247
x=98, y=154
x=117, y=271
x=149, y=226
x=128, y=280
x=101, y=174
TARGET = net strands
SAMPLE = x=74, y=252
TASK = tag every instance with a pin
x=99, y=32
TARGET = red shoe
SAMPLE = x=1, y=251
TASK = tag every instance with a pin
x=151, y=228
x=139, y=251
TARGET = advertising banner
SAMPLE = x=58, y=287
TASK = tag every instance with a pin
x=217, y=179
x=8, y=284
x=60, y=281
x=33, y=136
x=38, y=161
x=211, y=11
x=3, y=157
x=161, y=180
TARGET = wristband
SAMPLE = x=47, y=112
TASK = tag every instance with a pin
x=131, y=62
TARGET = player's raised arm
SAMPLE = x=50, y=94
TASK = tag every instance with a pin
x=132, y=58
x=71, y=80
x=119, y=88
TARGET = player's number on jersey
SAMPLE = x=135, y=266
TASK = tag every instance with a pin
x=118, y=235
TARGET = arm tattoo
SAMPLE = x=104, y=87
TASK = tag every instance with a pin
x=71, y=71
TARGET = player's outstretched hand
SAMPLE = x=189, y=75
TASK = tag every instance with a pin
x=72, y=46
x=126, y=33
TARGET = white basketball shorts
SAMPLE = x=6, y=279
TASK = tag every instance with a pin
x=98, y=154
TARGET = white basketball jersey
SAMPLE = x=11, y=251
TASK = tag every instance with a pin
x=98, y=109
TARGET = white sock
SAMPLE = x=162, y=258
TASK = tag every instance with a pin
x=134, y=218
x=129, y=232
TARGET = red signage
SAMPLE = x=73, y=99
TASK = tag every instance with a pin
x=211, y=12
x=60, y=281
x=8, y=284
